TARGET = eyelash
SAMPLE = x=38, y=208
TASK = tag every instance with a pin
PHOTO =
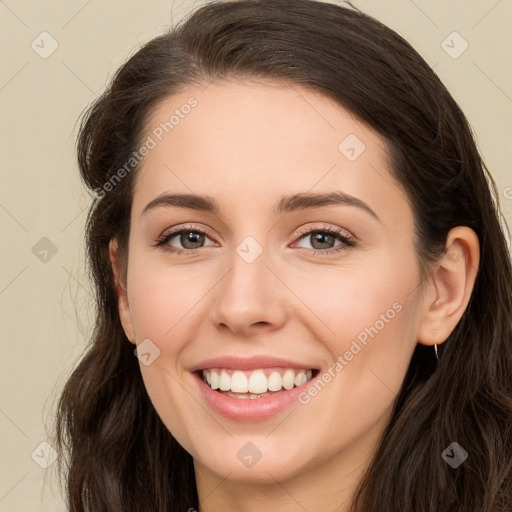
x=347, y=242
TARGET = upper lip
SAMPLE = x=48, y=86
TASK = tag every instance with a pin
x=251, y=363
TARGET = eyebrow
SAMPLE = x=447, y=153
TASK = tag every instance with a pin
x=290, y=203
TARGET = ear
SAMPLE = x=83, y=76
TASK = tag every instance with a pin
x=450, y=287
x=121, y=292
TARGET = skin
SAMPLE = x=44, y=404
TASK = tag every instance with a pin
x=246, y=144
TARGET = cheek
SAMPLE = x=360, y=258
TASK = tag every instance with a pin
x=162, y=302
x=371, y=313
x=170, y=400
x=162, y=298
x=350, y=298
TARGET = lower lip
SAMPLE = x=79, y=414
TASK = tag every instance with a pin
x=245, y=409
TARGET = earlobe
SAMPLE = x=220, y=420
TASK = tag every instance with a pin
x=121, y=292
x=451, y=286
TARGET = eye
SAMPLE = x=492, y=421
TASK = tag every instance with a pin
x=322, y=240
x=190, y=240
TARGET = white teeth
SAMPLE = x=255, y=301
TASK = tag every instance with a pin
x=257, y=382
x=288, y=379
x=239, y=382
x=224, y=381
x=214, y=380
x=254, y=384
x=300, y=378
x=275, y=383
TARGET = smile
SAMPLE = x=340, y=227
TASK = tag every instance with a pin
x=258, y=383
x=252, y=388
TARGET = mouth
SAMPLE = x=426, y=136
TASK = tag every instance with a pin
x=255, y=383
x=256, y=388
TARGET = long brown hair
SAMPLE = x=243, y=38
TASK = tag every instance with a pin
x=114, y=451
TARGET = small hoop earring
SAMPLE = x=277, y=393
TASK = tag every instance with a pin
x=435, y=350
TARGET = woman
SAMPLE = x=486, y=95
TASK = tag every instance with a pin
x=295, y=235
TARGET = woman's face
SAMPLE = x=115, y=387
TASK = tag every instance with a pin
x=258, y=281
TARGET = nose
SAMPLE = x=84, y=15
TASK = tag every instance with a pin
x=250, y=297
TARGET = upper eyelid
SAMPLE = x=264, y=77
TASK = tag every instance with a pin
x=180, y=229
x=333, y=230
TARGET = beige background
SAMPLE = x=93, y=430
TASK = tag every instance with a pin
x=46, y=306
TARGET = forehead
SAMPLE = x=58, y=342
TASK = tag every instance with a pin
x=255, y=141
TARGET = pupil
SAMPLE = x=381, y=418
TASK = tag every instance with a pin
x=320, y=237
x=193, y=238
